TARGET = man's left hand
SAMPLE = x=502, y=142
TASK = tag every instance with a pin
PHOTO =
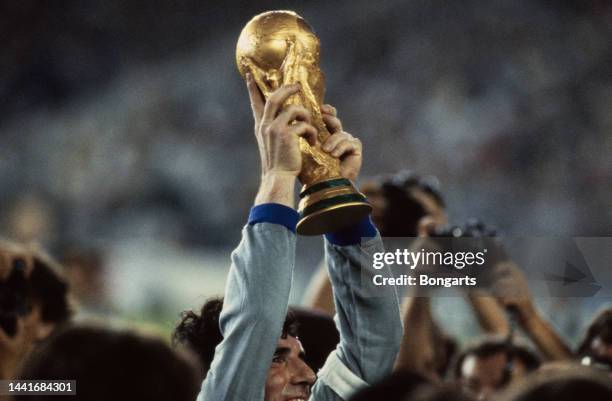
x=341, y=144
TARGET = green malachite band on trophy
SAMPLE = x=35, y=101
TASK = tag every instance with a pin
x=338, y=182
x=331, y=202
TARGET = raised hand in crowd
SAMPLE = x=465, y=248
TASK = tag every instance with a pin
x=510, y=288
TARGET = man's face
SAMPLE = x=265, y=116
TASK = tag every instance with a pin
x=483, y=376
x=289, y=377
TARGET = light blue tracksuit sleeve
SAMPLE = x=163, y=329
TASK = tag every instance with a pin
x=370, y=327
x=254, y=310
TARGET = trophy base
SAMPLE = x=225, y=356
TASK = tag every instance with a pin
x=329, y=206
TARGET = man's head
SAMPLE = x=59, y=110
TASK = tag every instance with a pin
x=490, y=365
x=112, y=365
x=401, y=201
x=440, y=392
x=398, y=386
x=568, y=384
x=289, y=377
x=596, y=346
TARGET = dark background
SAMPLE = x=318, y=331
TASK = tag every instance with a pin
x=125, y=123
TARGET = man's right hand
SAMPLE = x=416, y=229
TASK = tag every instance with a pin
x=277, y=130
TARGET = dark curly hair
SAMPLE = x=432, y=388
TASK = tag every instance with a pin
x=201, y=334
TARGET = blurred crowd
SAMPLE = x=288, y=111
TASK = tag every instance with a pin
x=126, y=152
x=117, y=123
x=147, y=101
x=518, y=354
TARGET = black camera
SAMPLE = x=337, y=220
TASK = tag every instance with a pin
x=476, y=236
x=474, y=228
x=14, y=297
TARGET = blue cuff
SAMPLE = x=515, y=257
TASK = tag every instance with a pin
x=352, y=235
x=274, y=213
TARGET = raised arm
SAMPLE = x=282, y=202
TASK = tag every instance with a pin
x=255, y=305
x=320, y=294
x=370, y=327
x=512, y=290
x=490, y=314
x=417, y=351
x=422, y=349
x=259, y=280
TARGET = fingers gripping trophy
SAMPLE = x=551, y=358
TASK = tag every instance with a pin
x=279, y=48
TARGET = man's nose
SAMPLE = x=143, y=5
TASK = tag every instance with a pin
x=303, y=374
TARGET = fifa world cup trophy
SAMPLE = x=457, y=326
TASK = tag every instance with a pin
x=280, y=47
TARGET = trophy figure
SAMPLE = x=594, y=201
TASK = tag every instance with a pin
x=277, y=48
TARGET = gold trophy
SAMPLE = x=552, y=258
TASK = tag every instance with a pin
x=277, y=48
